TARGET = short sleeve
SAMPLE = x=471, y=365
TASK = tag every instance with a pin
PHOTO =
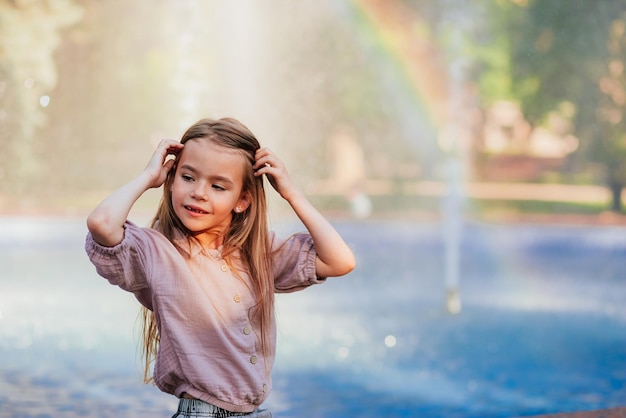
x=294, y=263
x=128, y=263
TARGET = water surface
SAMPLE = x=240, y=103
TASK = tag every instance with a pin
x=542, y=329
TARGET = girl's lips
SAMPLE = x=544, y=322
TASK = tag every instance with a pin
x=194, y=210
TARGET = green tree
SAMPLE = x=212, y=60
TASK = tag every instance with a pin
x=573, y=51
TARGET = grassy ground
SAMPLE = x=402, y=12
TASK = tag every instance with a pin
x=491, y=202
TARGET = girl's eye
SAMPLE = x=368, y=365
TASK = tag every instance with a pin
x=218, y=187
x=187, y=177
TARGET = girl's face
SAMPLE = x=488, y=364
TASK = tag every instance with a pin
x=207, y=188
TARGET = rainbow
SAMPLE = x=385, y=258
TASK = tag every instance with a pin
x=400, y=35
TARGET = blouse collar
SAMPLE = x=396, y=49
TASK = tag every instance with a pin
x=192, y=247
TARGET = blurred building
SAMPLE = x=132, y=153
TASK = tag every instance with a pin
x=513, y=150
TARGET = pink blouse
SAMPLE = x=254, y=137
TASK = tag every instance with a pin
x=208, y=347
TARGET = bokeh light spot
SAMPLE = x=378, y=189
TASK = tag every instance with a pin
x=390, y=341
x=44, y=100
x=343, y=353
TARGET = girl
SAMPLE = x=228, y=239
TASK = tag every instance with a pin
x=207, y=269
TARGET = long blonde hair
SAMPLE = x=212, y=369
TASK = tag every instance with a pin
x=247, y=234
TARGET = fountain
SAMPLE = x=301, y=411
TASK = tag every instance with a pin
x=537, y=301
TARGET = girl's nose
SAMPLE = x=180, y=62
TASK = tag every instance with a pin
x=200, y=193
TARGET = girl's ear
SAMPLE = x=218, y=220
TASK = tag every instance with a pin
x=244, y=202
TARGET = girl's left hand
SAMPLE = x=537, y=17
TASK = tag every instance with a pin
x=269, y=164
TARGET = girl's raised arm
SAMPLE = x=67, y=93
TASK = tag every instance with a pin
x=334, y=257
x=106, y=222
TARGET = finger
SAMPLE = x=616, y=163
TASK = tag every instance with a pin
x=263, y=153
x=263, y=161
x=267, y=169
x=263, y=169
x=168, y=165
x=166, y=147
x=174, y=147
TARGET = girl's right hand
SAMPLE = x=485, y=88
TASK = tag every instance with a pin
x=159, y=165
x=106, y=221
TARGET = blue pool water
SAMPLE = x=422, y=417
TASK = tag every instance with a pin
x=542, y=329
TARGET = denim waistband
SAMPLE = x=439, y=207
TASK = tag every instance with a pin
x=188, y=408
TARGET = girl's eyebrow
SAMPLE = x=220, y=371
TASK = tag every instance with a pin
x=215, y=177
x=189, y=168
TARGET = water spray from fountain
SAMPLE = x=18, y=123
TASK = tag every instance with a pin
x=452, y=141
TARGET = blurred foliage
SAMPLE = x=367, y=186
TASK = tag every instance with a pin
x=564, y=56
x=574, y=53
x=120, y=75
x=129, y=73
x=29, y=36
